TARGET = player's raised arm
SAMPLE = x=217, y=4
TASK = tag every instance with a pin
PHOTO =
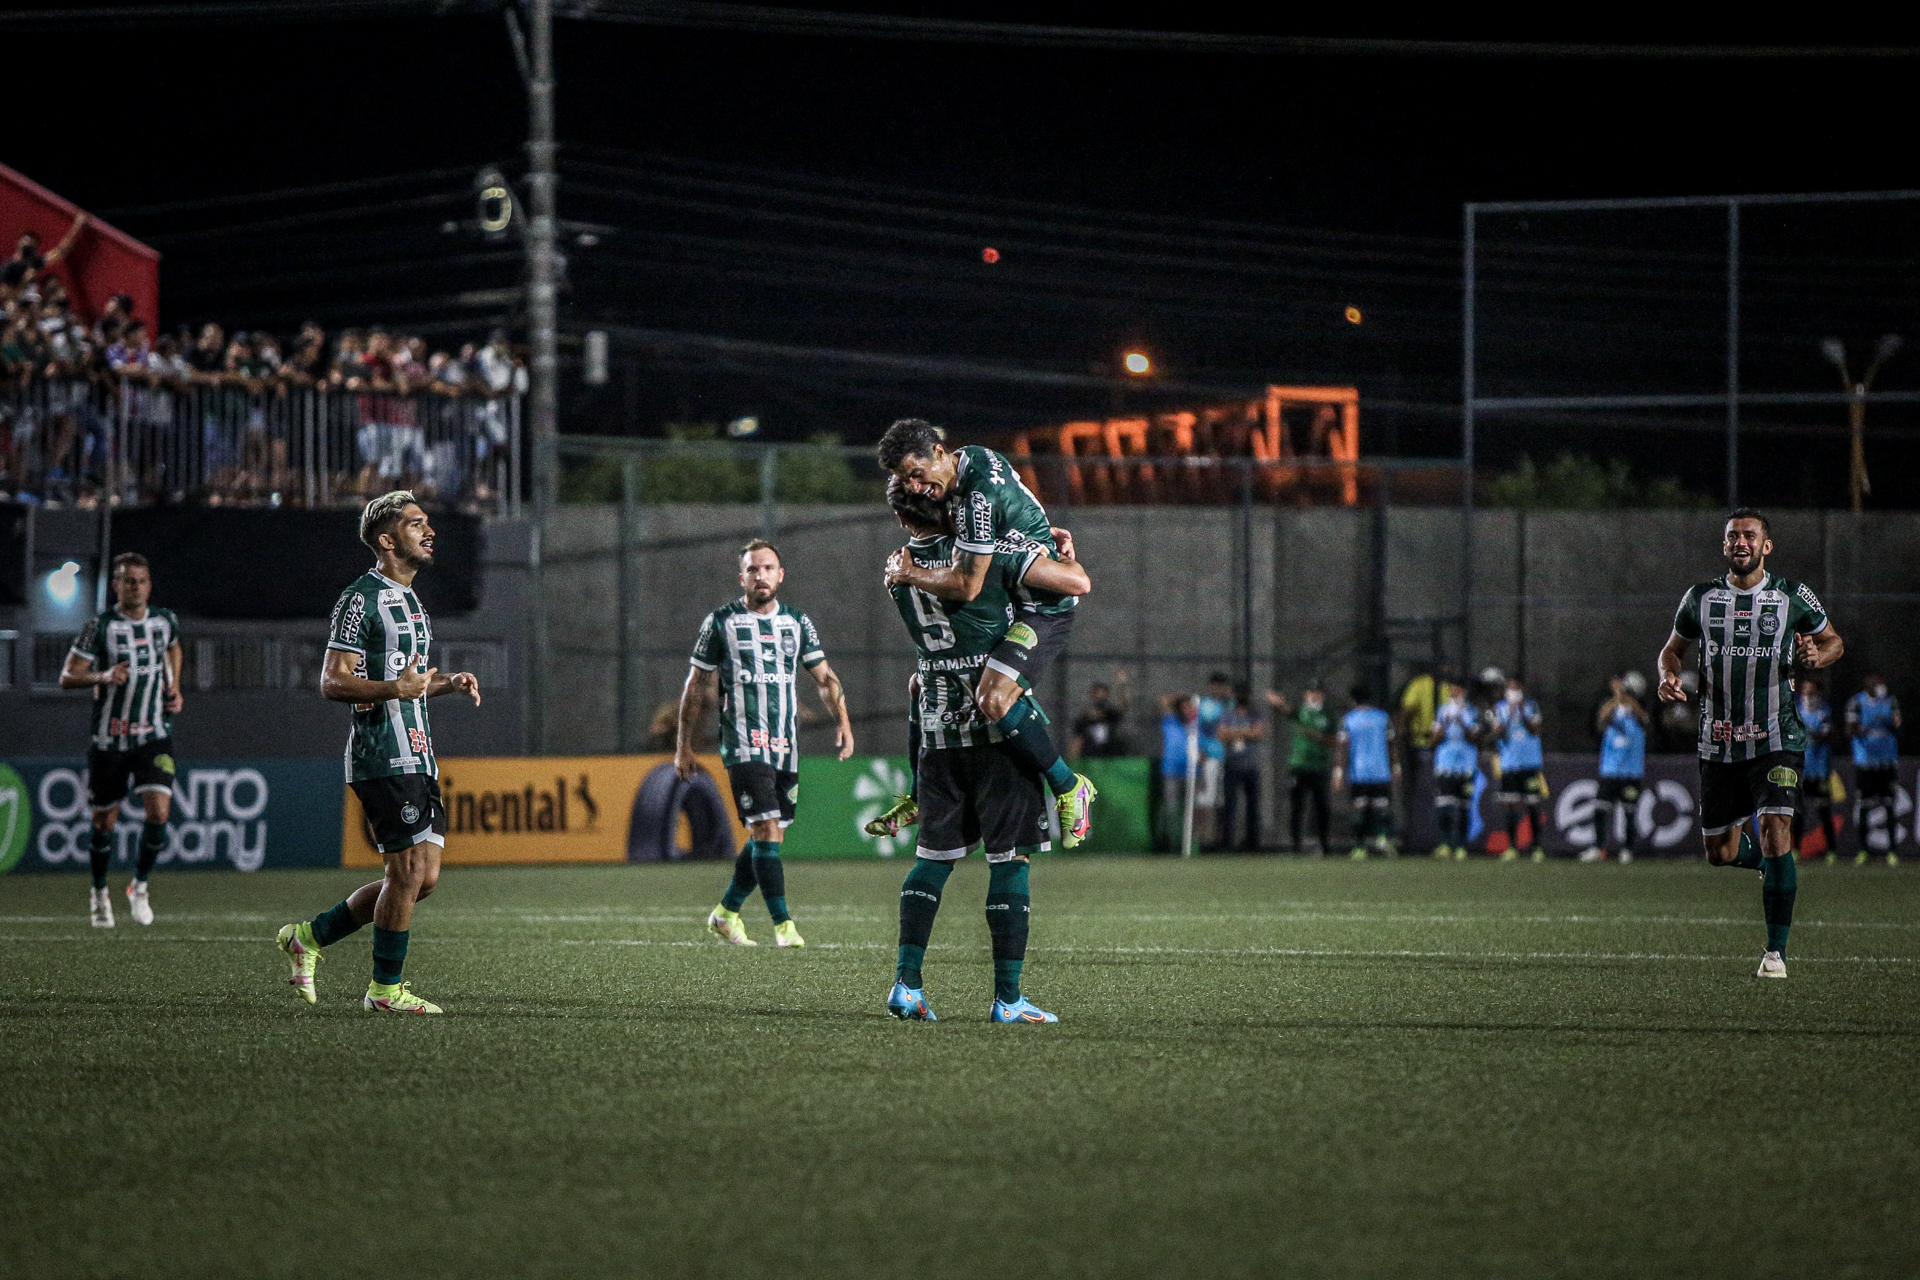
x=457, y=682
x=701, y=689
x=962, y=581
x=1062, y=577
x=1821, y=649
x=339, y=683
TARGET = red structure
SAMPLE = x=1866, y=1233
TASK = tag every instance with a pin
x=1304, y=440
x=103, y=261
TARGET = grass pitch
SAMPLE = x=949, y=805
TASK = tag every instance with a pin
x=1264, y=1068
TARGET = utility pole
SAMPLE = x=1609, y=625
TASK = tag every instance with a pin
x=542, y=322
x=1836, y=353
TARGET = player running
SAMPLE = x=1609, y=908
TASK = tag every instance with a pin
x=1816, y=778
x=377, y=655
x=1873, y=717
x=130, y=657
x=971, y=795
x=989, y=503
x=1751, y=739
x=747, y=658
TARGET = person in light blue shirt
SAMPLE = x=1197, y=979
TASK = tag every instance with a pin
x=1178, y=731
x=1873, y=720
x=1816, y=770
x=1456, y=759
x=1622, y=722
x=1364, y=765
x=1516, y=727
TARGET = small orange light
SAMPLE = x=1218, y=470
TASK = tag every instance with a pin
x=1137, y=363
x=1354, y=316
x=989, y=255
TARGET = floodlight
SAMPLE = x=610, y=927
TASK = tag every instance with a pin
x=1138, y=363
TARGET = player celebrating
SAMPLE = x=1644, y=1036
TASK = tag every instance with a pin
x=970, y=794
x=990, y=502
x=377, y=654
x=1456, y=758
x=1622, y=722
x=1751, y=738
x=1366, y=764
x=130, y=657
x=1516, y=724
x=1816, y=778
x=747, y=658
x=1873, y=715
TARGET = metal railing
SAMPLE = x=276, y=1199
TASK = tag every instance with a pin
x=227, y=663
x=133, y=442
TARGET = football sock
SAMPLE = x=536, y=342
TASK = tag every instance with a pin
x=99, y=853
x=919, y=904
x=389, y=954
x=153, y=838
x=1008, y=910
x=772, y=877
x=1027, y=738
x=1780, y=881
x=913, y=758
x=743, y=878
x=335, y=923
x=1513, y=828
x=1749, y=855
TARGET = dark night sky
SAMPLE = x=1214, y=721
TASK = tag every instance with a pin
x=836, y=193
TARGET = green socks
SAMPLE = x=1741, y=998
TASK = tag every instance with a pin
x=99, y=854
x=333, y=924
x=1008, y=910
x=772, y=877
x=919, y=904
x=1749, y=855
x=743, y=879
x=1779, y=883
x=153, y=839
x=1027, y=737
x=389, y=954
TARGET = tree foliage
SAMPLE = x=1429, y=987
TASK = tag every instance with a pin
x=1575, y=482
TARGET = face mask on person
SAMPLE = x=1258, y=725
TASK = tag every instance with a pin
x=1879, y=691
x=1513, y=696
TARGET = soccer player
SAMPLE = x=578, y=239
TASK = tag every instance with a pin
x=1456, y=758
x=1309, y=758
x=1622, y=722
x=990, y=502
x=130, y=657
x=1516, y=724
x=971, y=795
x=1364, y=764
x=1873, y=715
x=1816, y=779
x=377, y=654
x=1753, y=626
x=747, y=659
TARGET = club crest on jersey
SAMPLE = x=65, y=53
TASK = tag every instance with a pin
x=1769, y=623
x=1781, y=776
x=789, y=644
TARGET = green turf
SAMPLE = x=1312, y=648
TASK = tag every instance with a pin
x=1264, y=1067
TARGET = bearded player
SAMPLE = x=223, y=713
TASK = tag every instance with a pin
x=1753, y=627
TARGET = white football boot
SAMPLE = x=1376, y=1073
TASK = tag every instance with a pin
x=100, y=908
x=1772, y=965
x=138, y=903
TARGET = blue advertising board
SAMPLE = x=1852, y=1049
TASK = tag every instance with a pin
x=244, y=814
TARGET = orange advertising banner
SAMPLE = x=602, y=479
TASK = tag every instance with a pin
x=572, y=809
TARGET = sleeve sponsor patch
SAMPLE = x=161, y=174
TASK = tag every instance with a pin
x=349, y=619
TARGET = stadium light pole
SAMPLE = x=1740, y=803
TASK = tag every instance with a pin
x=1835, y=351
x=542, y=323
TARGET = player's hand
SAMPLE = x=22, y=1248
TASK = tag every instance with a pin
x=896, y=568
x=1806, y=651
x=1671, y=690
x=1339, y=780
x=466, y=682
x=684, y=764
x=411, y=684
x=843, y=739
x=116, y=674
x=174, y=701
x=1063, y=545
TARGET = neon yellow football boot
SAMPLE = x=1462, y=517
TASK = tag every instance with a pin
x=1076, y=809
x=396, y=997
x=303, y=953
x=787, y=934
x=905, y=812
x=727, y=926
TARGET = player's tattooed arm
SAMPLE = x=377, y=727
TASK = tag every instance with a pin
x=961, y=582
x=1672, y=654
x=834, y=698
x=339, y=683
x=701, y=688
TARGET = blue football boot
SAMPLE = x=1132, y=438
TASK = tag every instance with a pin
x=1021, y=1010
x=909, y=1004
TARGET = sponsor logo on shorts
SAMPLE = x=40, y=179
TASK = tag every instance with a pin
x=1781, y=776
x=1022, y=634
x=409, y=814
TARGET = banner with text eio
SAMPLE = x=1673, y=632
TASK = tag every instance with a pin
x=572, y=809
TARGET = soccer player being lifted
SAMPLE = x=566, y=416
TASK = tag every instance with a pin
x=130, y=657
x=1753, y=628
x=747, y=658
x=377, y=654
x=971, y=794
x=990, y=505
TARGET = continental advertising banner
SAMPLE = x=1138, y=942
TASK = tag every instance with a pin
x=503, y=809
x=245, y=814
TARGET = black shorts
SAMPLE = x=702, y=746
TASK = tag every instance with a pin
x=1523, y=786
x=1030, y=646
x=403, y=811
x=979, y=797
x=1731, y=791
x=1620, y=790
x=1875, y=784
x=1453, y=788
x=762, y=793
x=1376, y=794
x=148, y=767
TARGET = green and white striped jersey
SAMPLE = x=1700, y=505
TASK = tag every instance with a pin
x=992, y=504
x=758, y=657
x=129, y=715
x=384, y=626
x=1746, y=657
x=955, y=639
